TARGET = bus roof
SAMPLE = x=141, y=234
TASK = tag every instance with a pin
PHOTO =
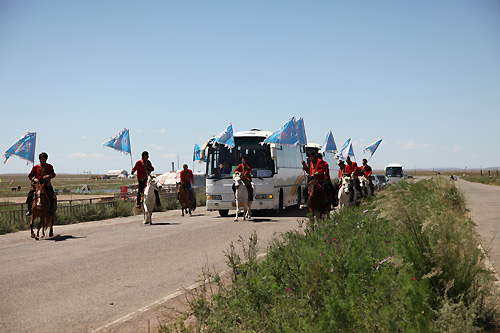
x=255, y=133
x=393, y=165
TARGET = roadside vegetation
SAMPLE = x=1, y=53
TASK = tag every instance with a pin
x=405, y=261
x=489, y=180
x=91, y=212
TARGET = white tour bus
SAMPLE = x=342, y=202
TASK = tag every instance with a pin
x=276, y=172
x=394, y=170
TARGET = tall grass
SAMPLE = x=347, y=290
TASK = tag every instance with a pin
x=489, y=180
x=406, y=261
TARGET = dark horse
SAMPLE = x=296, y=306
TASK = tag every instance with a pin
x=317, y=200
x=184, y=197
x=40, y=208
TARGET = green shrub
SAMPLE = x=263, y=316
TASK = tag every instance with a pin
x=403, y=262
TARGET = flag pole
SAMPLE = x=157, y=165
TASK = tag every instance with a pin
x=130, y=144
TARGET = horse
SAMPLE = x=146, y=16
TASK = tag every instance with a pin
x=185, y=199
x=241, y=196
x=149, y=198
x=40, y=208
x=317, y=201
x=344, y=192
x=364, y=183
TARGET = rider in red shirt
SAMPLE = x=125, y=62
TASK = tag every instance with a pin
x=144, y=168
x=367, y=172
x=245, y=169
x=352, y=169
x=187, y=178
x=319, y=169
x=42, y=172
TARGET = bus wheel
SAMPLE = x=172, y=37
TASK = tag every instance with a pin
x=281, y=206
x=223, y=212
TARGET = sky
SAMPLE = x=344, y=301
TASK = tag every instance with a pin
x=422, y=75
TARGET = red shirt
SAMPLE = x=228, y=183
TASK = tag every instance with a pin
x=245, y=173
x=352, y=169
x=140, y=167
x=187, y=176
x=367, y=170
x=321, y=168
x=39, y=170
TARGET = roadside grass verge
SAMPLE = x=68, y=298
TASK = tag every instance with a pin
x=407, y=260
x=489, y=180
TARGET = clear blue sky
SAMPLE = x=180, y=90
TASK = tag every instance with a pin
x=422, y=75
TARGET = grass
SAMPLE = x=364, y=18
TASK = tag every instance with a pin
x=405, y=261
x=92, y=212
x=489, y=180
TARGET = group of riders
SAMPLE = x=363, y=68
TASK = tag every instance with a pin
x=44, y=172
x=315, y=167
x=318, y=169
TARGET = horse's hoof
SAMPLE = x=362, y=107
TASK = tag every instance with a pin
x=32, y=235
x=51, y=234
x=235, y=220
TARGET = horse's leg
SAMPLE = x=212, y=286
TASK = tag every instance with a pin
x=43, y=225
x=182, y=209
x=237, y=208
x=51, y=231
x=31, y=225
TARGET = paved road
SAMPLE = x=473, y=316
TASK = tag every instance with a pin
x=483, y=202
x=91, y=274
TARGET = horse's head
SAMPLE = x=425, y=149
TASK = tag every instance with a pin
x=362, y=181
x=237, y=179
x=312, y=185
x=344, y=185
x=154, y=182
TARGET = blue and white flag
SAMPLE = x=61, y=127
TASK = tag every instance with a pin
x=120, y=142
x=196, y=154
x=371, y=148
x=329, y=144
x=226, y=137
x=346, y=150
x=24, y=148
x=301, y=132
x=286, y=135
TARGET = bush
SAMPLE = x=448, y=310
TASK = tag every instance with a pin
x=402, y=262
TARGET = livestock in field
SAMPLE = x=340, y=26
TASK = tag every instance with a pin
x=149, y=198
x=185, y=199
x=242, y=197
x=40, y=209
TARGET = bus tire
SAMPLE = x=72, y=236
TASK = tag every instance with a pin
x=223, y=212
x=281, y=205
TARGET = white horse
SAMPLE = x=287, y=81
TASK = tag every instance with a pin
x=149, y=198
x=365, y=186
x=344, y=192
x=242, y=197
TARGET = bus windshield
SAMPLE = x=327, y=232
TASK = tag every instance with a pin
x=394, y=172
x=221, y=161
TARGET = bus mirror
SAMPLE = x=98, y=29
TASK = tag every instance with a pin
x=273, y=153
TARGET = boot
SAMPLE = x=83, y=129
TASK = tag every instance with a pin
x=28, y=213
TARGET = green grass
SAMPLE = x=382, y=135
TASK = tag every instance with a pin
x=406, y=261
x=489, y=180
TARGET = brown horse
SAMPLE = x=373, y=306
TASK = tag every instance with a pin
x=40, y=208
x=184, y=197
x=317, y=200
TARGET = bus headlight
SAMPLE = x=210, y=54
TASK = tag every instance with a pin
x=214, y=197
x=263, y=196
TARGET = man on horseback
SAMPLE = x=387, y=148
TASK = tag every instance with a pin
x=42, y=172
x=352, y=169
x=245, y=169
x=144, y=168
x=367, y=172
x=319, y=169
x=328, y=183
x=187, y=178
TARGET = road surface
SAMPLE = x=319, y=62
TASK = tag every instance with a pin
x=483, y=202
x=92, y=274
